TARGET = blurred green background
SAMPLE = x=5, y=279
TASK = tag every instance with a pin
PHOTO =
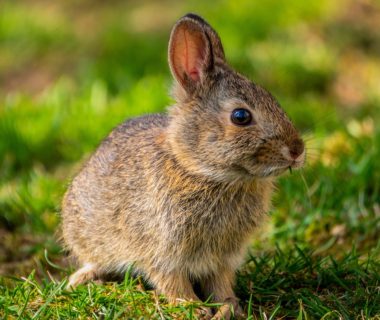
x=70, y=71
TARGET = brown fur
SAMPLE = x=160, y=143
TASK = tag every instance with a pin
x=179, y=194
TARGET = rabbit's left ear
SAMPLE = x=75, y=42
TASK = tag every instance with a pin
x=194, y=47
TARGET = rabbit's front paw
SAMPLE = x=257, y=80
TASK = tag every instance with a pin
x=230, y=310
x=203, y=313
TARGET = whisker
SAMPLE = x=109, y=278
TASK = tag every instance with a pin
x=326, y=117
x=314, y=148
x=313, y=155
x=312, y=138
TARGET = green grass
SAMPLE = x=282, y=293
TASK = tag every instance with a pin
x=296, y=284
x=71, y=71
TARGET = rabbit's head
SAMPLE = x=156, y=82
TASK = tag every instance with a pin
x=223, y=125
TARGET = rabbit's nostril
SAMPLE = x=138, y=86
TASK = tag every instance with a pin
x=296, y=148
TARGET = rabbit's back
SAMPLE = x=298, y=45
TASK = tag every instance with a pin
x=105, y=206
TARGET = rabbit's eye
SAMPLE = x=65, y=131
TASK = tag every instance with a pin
x=241, y=117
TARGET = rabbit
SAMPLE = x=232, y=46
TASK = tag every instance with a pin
x=178, y=195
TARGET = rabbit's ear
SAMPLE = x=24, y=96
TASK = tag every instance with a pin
x=194, y=48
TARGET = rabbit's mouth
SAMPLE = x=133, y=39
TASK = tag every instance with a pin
x=275, y=169
x=262, y=169
x=267, y=171
x=273, y=172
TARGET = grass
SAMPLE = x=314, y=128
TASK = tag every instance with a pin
x=292, y=285
x=71, y=71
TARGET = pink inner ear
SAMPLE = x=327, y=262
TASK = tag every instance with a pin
x=192, y=54
x=194, y=74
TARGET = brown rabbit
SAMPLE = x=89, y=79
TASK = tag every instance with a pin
x=178, y=195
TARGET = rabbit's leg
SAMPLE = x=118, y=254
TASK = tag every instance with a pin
x=174, y=286
x=178, y=288
x=86, y=273
x=220, y=288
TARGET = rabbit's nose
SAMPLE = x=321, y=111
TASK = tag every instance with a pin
x=296, y=148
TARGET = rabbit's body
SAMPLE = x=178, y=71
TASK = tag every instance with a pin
x=163, y=218
x=178, y=195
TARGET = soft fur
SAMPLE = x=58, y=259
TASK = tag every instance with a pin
x=179, y=194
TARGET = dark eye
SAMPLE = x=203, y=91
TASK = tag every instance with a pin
x=241, y=117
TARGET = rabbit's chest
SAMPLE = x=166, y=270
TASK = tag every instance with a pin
x=216, y=225
x=208, y=237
